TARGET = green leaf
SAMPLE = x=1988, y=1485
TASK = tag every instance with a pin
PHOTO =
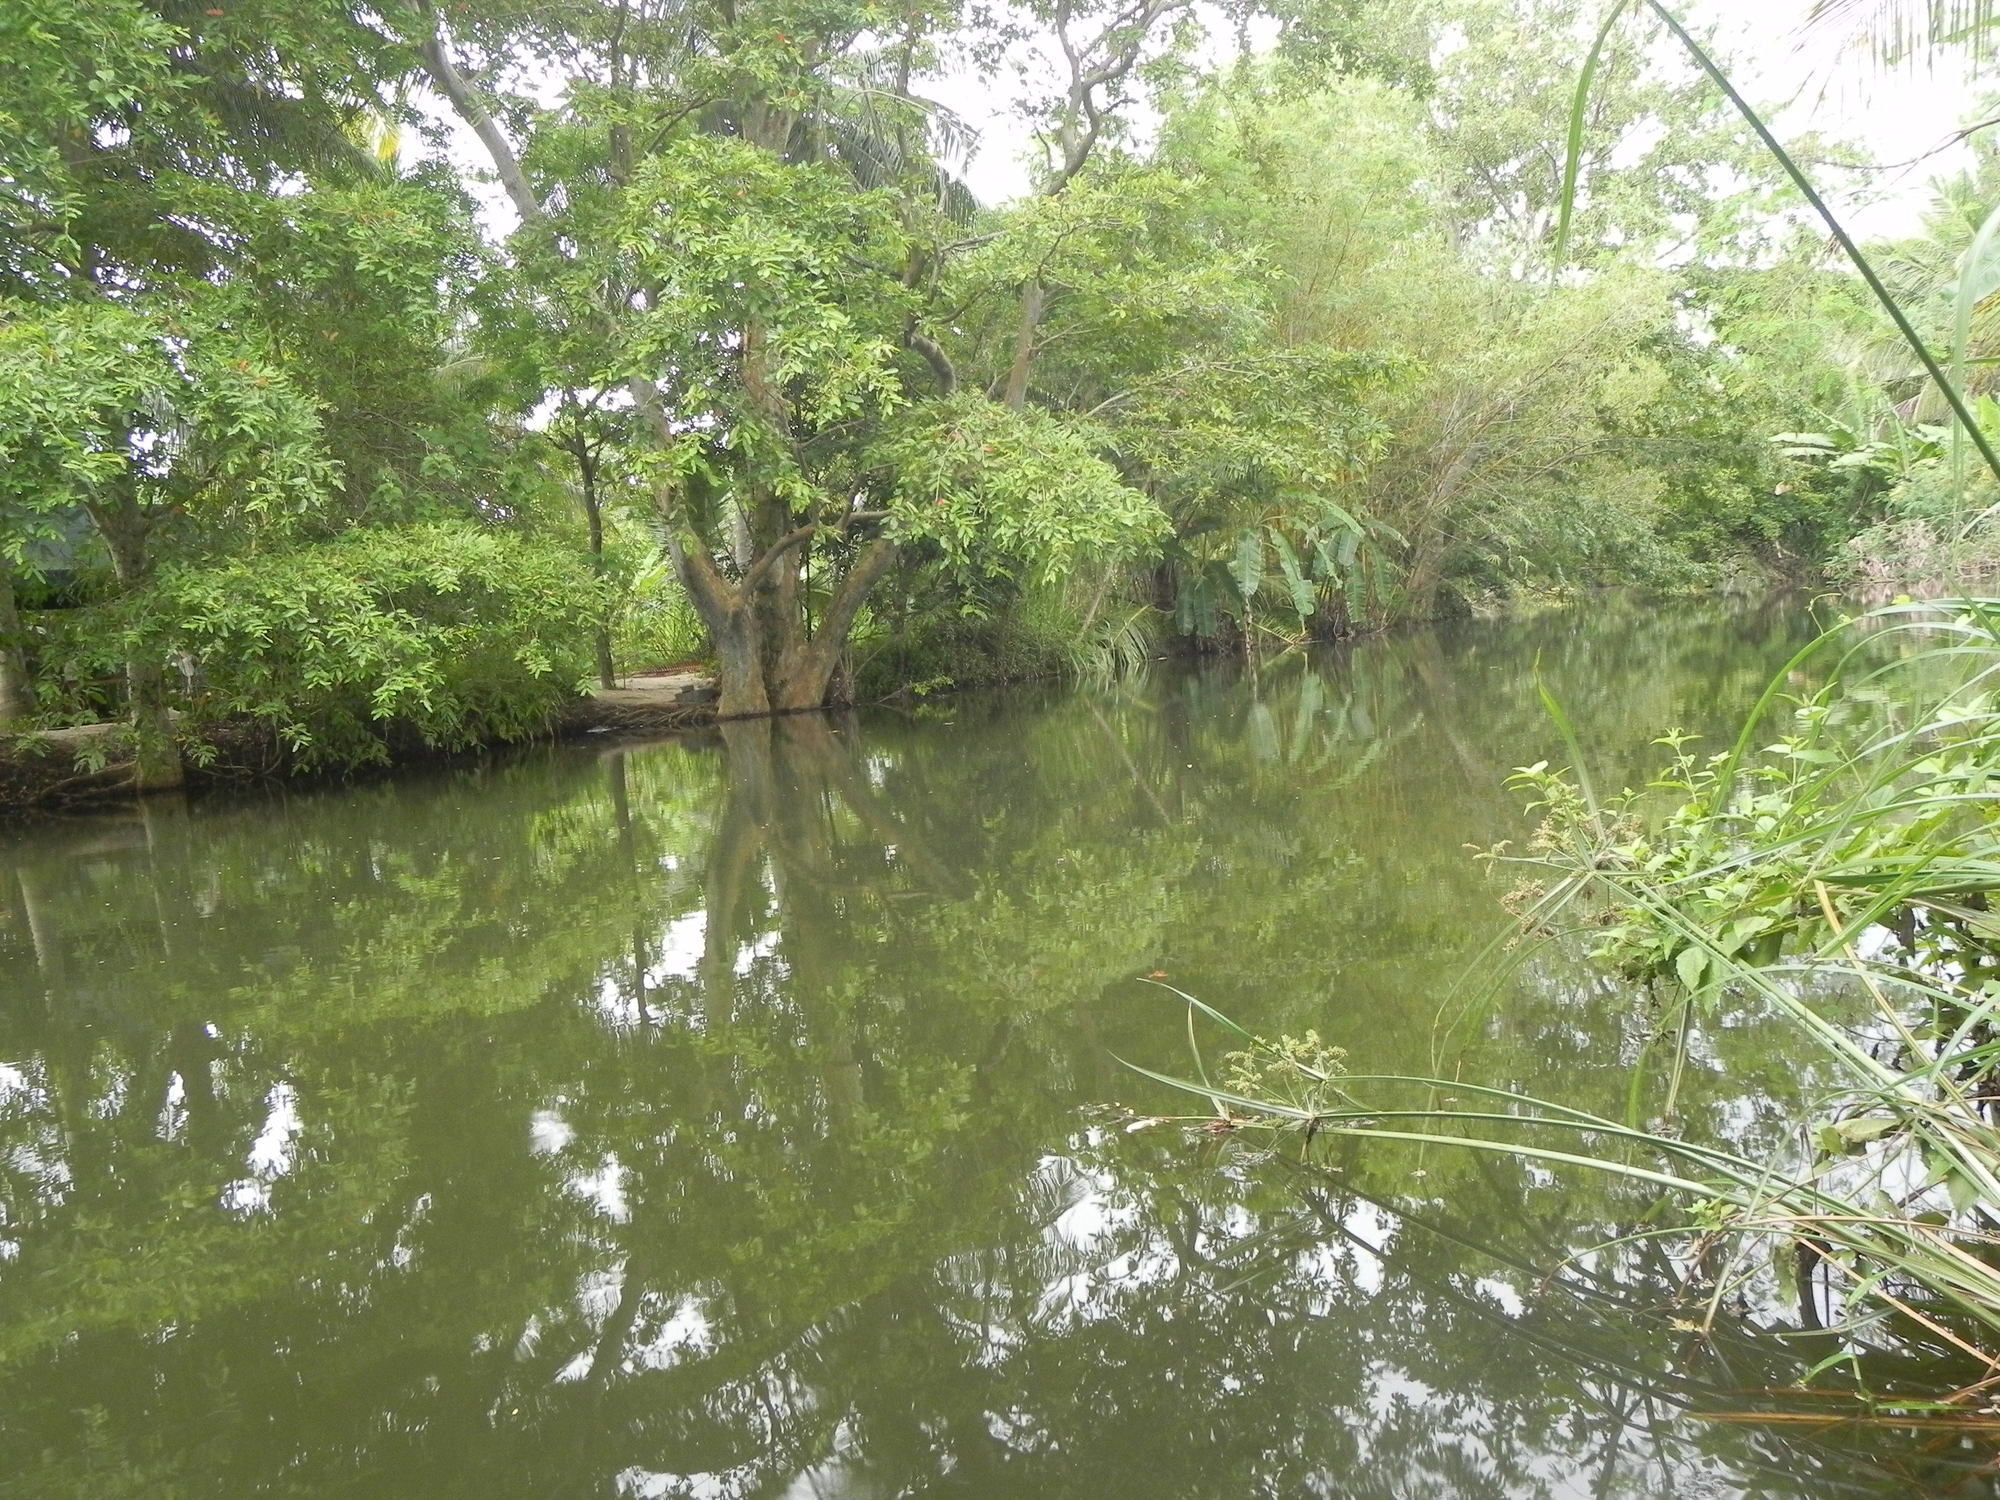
x=1246, y=568
x=1303, y=599
x=1329, y=566
x=1579, y=109
x=1350, y=547
x=1691, y=964
x=1843, y=1137
x=1963, y=1190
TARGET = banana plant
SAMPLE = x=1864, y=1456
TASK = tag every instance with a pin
x=1286, y=573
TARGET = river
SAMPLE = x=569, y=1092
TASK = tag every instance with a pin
x=736, y=1117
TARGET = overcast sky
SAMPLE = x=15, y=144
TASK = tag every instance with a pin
x=1898, y=115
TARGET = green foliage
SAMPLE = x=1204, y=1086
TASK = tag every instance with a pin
x=443, y=634
x=1515, y=434
x=66, y=69
x=734, y=236
x=993, y=489
x=1298, y=574
x=933, y=653
x=655, y=624
x=1298, y=363
x=1946, y=387
x=364, y=289
x=164, y=405
x=1868, y=810
x=1855, y=854
x=139, y=138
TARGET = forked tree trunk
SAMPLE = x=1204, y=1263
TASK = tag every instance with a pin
x=809, y=668
x=731, y=625
x=755, y=675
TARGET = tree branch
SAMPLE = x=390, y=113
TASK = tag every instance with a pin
x=707, y=588
x=759, y=570
x=453, y=85
x=936, y=358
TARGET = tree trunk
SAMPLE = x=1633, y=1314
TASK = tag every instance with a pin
x=17, y=697
x=731, y=625
x=771, y=584
x=1032, y=298
x=593, y=514
x=772, y=589
x=157, y=758
x=607, y=670
x=808, y=668
x=741, y=689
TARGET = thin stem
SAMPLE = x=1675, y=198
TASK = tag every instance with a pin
x=1839, y=232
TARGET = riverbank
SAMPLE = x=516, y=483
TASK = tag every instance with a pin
x=88, y=764
x=91, y=764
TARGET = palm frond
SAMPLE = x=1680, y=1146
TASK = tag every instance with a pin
x=1898, y=32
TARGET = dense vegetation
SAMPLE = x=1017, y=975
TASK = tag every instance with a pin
x=373, y=376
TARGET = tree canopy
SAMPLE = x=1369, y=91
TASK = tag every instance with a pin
x=1275, y=347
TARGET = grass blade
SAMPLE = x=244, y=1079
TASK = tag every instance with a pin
x=1579, y=109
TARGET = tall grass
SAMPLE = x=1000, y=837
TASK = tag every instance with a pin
x=1836, y=861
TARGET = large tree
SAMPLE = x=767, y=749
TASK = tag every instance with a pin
x=147, y=150
x=739, y=217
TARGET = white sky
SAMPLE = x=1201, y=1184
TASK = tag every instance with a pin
x=1898, y=114
x=1895, y=114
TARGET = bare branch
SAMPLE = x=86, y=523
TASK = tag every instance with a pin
x=453, y=85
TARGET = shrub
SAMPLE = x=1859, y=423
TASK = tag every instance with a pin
x=444, y=634
x=1939, y=536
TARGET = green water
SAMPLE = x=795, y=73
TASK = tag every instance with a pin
x=723, y=1118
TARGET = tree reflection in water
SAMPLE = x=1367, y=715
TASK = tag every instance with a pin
x=711, y=1119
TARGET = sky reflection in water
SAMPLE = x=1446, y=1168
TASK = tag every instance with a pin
x=716, y=1119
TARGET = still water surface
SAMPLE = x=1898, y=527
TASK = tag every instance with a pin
x=723, y=1118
